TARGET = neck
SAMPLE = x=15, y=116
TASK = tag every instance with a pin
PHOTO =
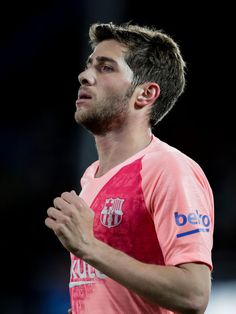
x=117, y=146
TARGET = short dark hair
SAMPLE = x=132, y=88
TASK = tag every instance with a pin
x=152, y=55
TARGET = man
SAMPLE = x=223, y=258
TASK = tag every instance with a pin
x=140, y=232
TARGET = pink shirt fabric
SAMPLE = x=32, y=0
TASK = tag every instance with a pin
x=157, y=207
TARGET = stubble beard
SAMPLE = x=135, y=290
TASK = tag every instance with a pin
x=106, y=115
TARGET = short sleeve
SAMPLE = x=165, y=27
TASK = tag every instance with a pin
x=182, y=207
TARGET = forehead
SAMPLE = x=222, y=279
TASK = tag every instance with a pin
x=110, y=49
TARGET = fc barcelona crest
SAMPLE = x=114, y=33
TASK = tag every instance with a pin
x=111, y=215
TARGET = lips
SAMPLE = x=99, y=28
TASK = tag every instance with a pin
x=83, y=97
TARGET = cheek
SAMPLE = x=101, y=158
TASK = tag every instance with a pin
x=107, y=89
x=114, y=87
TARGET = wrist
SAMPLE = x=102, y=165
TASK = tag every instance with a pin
x=91, y=252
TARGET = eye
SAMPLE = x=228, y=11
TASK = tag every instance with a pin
x=106, y=68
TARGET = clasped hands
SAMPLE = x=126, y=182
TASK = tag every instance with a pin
x=71, y=219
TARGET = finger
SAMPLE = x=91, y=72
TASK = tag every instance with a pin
x=77, y=201
x=58, y=215
x=62, y=204
x=50, y=223
x=81, y=201
x=58, y=228
x=69, y=197
x=51, y=213
x=81, y=204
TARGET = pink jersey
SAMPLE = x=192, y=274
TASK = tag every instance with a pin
x=157, y=207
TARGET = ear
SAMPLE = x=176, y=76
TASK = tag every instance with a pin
x=147, y=95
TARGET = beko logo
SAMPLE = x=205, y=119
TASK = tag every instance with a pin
x=196, y=222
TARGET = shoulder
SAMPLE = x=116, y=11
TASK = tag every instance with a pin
x=164, y=160
x=163, y=154
x=169, y=174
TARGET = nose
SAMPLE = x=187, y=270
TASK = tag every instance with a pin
x=86, y=78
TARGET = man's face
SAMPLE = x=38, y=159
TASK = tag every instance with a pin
x=105, y=92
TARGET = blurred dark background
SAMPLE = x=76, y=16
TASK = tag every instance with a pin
x=44, y=45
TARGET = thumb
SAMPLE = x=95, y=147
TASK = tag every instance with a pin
x=73, y=192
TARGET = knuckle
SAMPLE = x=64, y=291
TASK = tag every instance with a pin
x=65, y=220
x=59, y=229
x=71, y=214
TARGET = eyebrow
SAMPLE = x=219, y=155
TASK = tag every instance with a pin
x=100, y=60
